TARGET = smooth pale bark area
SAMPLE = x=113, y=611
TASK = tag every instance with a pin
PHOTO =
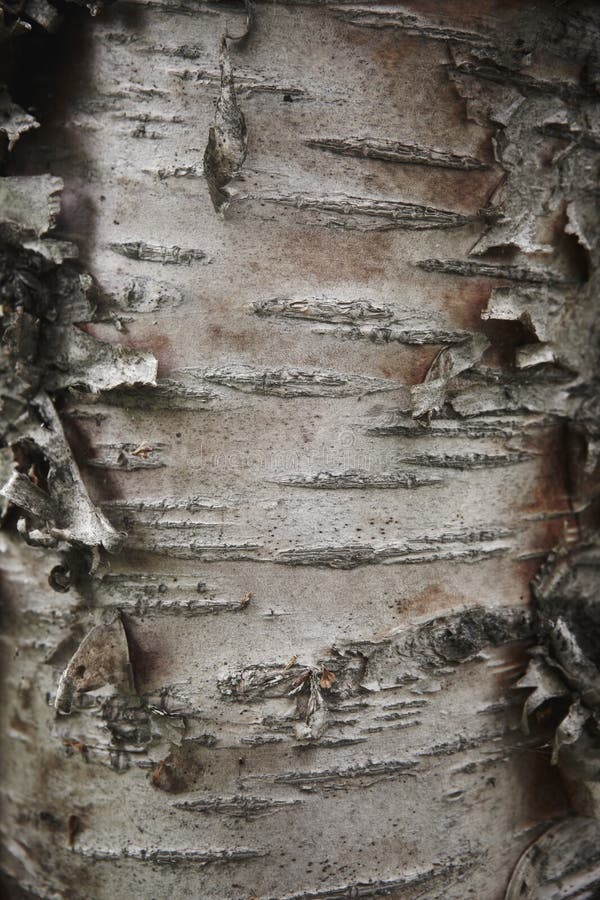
x=292, y=513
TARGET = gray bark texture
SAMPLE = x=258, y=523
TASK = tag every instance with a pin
x=300, y=437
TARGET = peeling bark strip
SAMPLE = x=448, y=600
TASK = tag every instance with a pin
x=430, y=647
x=359, y=480
x=167, y=857
x=444, y=873
x=472, y=548
x=294, y=676
x=399, y=19
x=294, y=382
x=360, y=670
x=238, y=807
x=564, y=862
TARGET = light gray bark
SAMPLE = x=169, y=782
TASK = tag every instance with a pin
x=287, y=446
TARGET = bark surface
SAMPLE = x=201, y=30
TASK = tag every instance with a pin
x=286, y=445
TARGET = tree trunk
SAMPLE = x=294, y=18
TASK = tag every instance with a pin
x=334, y=379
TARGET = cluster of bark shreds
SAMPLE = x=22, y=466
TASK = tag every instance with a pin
x=547, y=140
x=542, y=247
x=44, y=296
x=548, y=120
x=542, y=243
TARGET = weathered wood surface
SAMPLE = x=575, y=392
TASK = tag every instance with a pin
x=300, y=497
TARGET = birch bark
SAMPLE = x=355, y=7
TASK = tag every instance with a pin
x=343, y=411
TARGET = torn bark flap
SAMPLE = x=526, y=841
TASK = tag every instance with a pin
x=101, y=659
x=240, y=39
x=64, y=511
x=14, y=121
x=563, y=862
x=77, y=358
x=227, y=138
x=430, y=396
x=565, y=669
x=29, y=205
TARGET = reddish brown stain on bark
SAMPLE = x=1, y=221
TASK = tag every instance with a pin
x=182, y=770
x=550, y=492
x=150, y=660
x=545, y=797
x=227, y=339
x=406, y=364
x=465, y=192
x=331, y=255
x=159, y=345
x=17, y=724
x=466, y=300
x=431, y=600
x=514, y=663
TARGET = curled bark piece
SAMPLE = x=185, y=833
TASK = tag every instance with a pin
x=101, y=659
x=78, y=358
x=568, y=617
x=227, y=138
x=316, y=716
x=563, y=862
x=579, y=670
x=570, y=730
x=546, y=686
x=23, y=493
x=240, y=39
x=29, y=204
x=14, y=121
x=543, y=311
x=64, y=511
x=430, y=396
x=565, y=669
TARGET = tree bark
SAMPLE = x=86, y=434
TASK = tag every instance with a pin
x=288, y=461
